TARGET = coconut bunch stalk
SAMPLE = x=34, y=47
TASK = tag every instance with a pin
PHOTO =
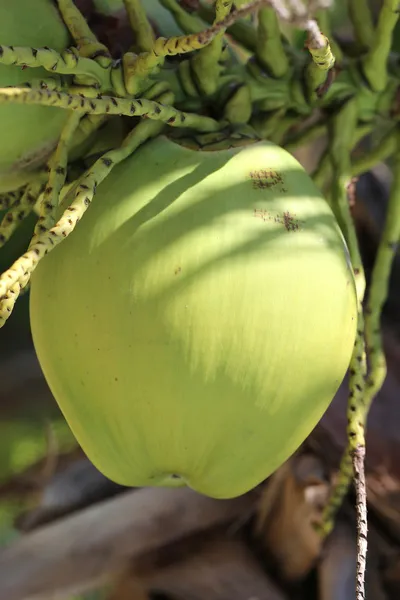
x=196, y=296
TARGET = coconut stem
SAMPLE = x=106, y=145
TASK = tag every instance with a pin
x=377, y=369
x=317, y=71
x=57, y=175
x=67, y=63
x=189, y=43
x=87, y=43
x=270, y=50
x=87, y=126
x=375, y=63
x=323, y=18
x=110, y=105
x=343, y=127
x=206, y=63
x=187, y=22
x=382, y=151
x=362, y=523
x=361, y=18
x=380, y=284
x=184, y=44
x=20, y=208
x=144, y=37
x=305, y=136
x=242, y=31
x=7, y=199
x=323, y=172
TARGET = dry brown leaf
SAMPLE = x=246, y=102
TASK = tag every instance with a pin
x=290, y=508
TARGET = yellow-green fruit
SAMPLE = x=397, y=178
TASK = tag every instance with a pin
x=200, y=319
x=28, y=133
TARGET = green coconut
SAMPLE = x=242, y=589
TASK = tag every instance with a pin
x=198, y=322
x=29, y=132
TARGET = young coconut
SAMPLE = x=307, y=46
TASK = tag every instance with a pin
x=199, y=320
x=29, y=132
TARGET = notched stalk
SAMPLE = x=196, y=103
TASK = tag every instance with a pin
x=67, y=62
x=109, y=105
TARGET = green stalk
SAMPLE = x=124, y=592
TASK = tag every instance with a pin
x=283, y=126
x=67, y=63
x=380, y=153
x=323, y=172
x=380, y=285
x=243, y=32
x=7, y=199
x=343, y=129
x=140, y=25
x=322, y=62
x=20, y=209
x=58, y=171
x=270, y=51
x=188, y=43
x=324, y=21
x=87, y=43
x=267, y=124
x=187, y=22
x=361, y=18
x=111, y=106
x=375, y=63
x=310, y=134
x=206, y=63
x=341, y=142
